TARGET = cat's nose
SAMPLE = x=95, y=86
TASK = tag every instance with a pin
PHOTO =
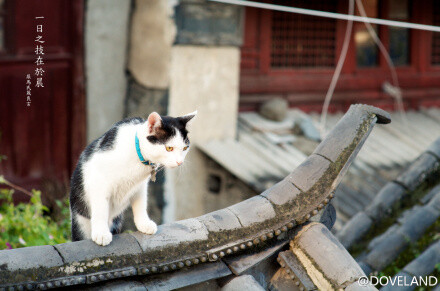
x=179, y=163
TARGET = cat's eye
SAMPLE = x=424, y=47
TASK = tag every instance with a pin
x=169, y=149
x=185, y=148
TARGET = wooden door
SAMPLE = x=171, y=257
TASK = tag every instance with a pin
x=41, y=140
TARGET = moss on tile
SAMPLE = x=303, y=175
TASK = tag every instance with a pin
x=414, y=250
x=409, y=200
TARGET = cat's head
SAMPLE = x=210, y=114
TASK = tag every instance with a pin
x=166, y=138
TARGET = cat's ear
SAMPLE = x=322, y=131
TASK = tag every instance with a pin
x=154, y=122
x=188, y=118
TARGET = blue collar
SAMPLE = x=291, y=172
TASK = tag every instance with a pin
x=138, y=150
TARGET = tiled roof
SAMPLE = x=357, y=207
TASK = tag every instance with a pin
x=265, y=151
x=399, y=217
x=259, y=225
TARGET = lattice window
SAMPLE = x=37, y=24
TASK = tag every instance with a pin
x=300, y=41
x=435, y=56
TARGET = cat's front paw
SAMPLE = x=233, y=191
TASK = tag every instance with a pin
x=147, y=227
x=102, y=237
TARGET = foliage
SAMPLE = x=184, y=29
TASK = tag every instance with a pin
x=28, y=224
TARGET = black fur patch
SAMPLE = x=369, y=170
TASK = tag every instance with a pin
x=108, y=139
x=77, y=204
x=75, y=228
x=117, y=224
x=88, y=152
x=168, y=130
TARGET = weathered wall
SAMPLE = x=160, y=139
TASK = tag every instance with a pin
x=184, y=56
x=204, y=76
x=151, y=38
x=152, y=34
x=222, y=189
x=206, y=79
x=106, y=39
x=203, y=79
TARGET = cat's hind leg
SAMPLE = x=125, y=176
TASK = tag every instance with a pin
x=80, y=227
x=117, y=224
x=76, y=229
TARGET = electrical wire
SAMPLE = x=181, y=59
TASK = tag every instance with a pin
x=337, y=72
x=331, y=15
x=394, y=92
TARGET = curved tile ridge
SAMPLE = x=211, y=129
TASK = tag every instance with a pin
x=254, y=221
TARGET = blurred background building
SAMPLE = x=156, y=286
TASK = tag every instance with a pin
x=109, y=59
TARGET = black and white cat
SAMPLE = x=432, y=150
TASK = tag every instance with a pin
x=114, y=170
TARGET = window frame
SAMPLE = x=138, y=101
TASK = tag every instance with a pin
x=257, y=76
x=383, y=33
x=429, y=38
x=265, y=50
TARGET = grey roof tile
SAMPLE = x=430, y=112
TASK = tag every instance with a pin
x=384, y=154
x=418, y=222
x=223, y=219
x=386, y=199
x=343, y=134
x=243, y=283
x=186, y=277
x=253, y=210
x=294, y=267
x=407, y=214
x=424, y=264
x=433, y=192
x=355, y=286
x=434, y=148
x=366, y=268
x=118, y=285
x=81, y=257
x=435, y=201
x=281, y=193
x=308, y=173
x=174, y=234
x=242, y=262
x=399, y=285
x=27, y=264
x=380, y=238
x=316, y=244
x=355, y=229
x=385, y=252
x=417, y=172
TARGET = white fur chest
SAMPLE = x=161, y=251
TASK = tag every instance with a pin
x=116, y=174
x=130, y=184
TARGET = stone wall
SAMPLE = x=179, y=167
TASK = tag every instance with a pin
x=203, y=79
x=106, y=27
x=151, y=38
x=152, y=34
x=204, y=76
